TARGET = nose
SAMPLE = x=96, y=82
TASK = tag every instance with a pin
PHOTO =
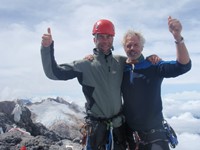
x=130, y=49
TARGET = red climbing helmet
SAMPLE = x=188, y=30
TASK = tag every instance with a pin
x=103, y=26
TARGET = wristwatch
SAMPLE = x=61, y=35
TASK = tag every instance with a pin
x=181, y=41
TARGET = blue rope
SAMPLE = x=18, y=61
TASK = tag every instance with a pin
x=110, y=145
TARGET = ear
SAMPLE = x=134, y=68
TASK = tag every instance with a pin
x=142, y=48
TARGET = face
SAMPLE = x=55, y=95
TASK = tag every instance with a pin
x=132, y=47
x=103, y=42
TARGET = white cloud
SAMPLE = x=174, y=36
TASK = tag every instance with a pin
x=182, y=112
x=188, y=141
x=185, y=123
x=185, y=95
x=177, y=104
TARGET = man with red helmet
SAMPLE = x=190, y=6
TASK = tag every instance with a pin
x=101, y=84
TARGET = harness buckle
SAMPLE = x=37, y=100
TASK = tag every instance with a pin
x=137, y=139
x=171, y=135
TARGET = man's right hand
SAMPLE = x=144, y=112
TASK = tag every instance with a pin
x=89, y=57
x=47, y=38
x=154, y=59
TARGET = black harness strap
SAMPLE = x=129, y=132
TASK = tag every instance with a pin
x=149, y=137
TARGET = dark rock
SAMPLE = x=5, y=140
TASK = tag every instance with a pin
x=23, y=132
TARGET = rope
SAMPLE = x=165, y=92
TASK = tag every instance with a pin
x=110, y=145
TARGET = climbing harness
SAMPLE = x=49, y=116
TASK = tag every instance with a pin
x=137, y=139
x=149, y=137
x=88, y=129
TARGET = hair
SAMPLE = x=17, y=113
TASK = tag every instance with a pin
x=133, y=33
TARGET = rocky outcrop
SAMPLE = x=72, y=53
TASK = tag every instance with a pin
x=17, y=130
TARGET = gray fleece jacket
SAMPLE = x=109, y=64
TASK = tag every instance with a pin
x=100, y=80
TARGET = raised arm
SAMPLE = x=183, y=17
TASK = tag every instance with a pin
x=175, y=28
x=47, y=38
x=50, y=66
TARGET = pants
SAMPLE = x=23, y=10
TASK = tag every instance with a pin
x=99, y=137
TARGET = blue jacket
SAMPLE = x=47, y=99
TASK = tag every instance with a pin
x=141, y=90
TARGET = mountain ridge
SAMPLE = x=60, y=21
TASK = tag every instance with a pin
x=62, y=130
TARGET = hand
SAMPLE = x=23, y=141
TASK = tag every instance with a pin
x=154, y=59
x=47, y=38
x=175, y=28
x=89, y=57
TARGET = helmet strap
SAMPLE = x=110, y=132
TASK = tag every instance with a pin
x=112, y=48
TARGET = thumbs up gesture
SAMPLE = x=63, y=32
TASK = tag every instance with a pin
x=175, y=28
x=47, y=38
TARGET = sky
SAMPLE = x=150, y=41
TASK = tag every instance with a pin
x=22, y=24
